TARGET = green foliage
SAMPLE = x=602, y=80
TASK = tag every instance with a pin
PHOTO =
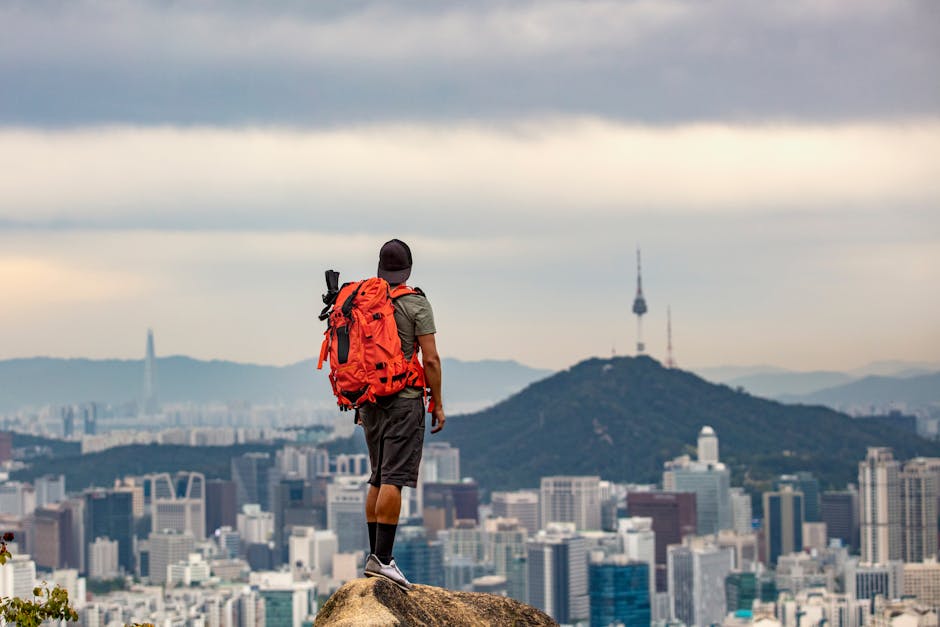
x=622, y=418
x=104, y=586
x=46, y=604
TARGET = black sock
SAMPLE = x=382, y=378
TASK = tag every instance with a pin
x=372, y=530
x=385, y=542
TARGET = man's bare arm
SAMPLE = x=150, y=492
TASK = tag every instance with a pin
x=432, y=376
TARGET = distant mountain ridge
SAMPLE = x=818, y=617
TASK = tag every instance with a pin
x=46, y=380
x=916, y=391
x=622, y=418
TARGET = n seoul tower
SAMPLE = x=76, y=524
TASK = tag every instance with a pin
x=639, y=306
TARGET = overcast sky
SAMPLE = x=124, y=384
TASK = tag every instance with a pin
x=194, y=167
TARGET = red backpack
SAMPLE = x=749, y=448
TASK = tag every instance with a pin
x=363, y=347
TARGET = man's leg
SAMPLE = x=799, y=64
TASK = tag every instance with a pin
x=387, y=510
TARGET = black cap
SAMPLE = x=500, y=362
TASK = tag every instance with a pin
x=395, y=262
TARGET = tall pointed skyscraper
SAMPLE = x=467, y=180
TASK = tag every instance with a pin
x=639, y=307
x=149, y=405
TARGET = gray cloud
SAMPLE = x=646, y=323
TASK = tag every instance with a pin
x=303, y=63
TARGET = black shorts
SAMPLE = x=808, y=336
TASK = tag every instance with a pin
x=395, y=437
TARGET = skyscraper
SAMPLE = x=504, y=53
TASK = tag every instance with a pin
x=109, y=514
x=697, y=573
x=221, y=504
x=523, y=505
x=506, y=550
x=346, y=515
x=54, y=539
x=879, y=486
x=637, y=541
x=420, y=558
x=674, y=518
x=919, y=489
x=168, y=547
x=741, y=511
x=707, y=445
x=711, y=484
x=571, y=499
x=557, y=573
x=806, y=483
x=839, y=510
x=294, y=506
x=783, y=523
x=254, y=475
x=177, y=502
x=150, y=406
x=619, y=592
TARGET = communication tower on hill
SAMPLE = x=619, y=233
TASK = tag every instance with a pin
x=639, y=307
x=670, y=360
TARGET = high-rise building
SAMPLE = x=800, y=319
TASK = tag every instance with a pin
x=506, y=550
x=879, y=486
x=808, y=485
x=294, y=506
x=287, y=603
x=109, y=514
x=839, y=510
x=711, y=484
x=149, y=404
x=49, y=489
x=783, y=523
x=177, y=502
x=922, y=582
x=6, y=446
x=312, y=549
x=229, y=542
x=168, y=547
x=523, y=505
x=54, y=539
x=346, y=514
x=421, y=559
x=254, y=475
x=103, y=559
x=447, y=503
x=674, y=518
x=221, y=504
x=697, y=573
x=18, y=577
x=619, y=592
x=637, y=540
x=440, y=463
x=571, y=499
x=865, y=581
x=255, y=526
x=919, y=490
x=741, y=511
x=17, y=499
x=557, y=573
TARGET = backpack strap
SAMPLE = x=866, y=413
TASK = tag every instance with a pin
x=403, y=290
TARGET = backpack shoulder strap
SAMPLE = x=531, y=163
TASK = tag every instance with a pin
x=404, y=290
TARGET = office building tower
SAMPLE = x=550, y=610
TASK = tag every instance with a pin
x=103, y=559
x=49, y=489
x=808, y=485
x=306, y=462
x=571, y=499
x=18, y=577
x=254, y=475
x=741, y=511
x=707, y=446
x=697, y=574
x=89, y=414
x=556, y=560
x=294, y=506
x=839, y=510
x=506, y=550
x=177, y=502
x=740, y=591
x=255, y=526
x=464, y=540
x=53, y=546
x=619, y=592
x=135, y=487
x=783, y=523
x=346, y=514
x=919, y=493
x=879, y=487
x=523, y=505
x=287, y=603
x=109, y=514
x=421, y=559
x=221, y=504
x=229, y=542
x=17, y=499
x=674, y=518
x=188, y=572
x=67, y=414
x=354, y=464
x=440, y=463
x=168, y=547
x=447, y=503
x=76, y=507
x=711, y=484
x=815, y=536
x=866, y=581
x=922, y=582
x=637, y=540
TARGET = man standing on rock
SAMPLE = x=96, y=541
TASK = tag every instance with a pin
x=394, y=425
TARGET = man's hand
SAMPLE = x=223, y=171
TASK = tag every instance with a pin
x=437, y=419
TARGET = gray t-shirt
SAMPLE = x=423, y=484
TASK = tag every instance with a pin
x=414, y=317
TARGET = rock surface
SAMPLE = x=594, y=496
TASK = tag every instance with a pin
x=378, y=603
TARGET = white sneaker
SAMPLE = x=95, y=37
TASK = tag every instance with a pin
x=389, y=572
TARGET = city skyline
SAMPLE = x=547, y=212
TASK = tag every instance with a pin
x=787, y=211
